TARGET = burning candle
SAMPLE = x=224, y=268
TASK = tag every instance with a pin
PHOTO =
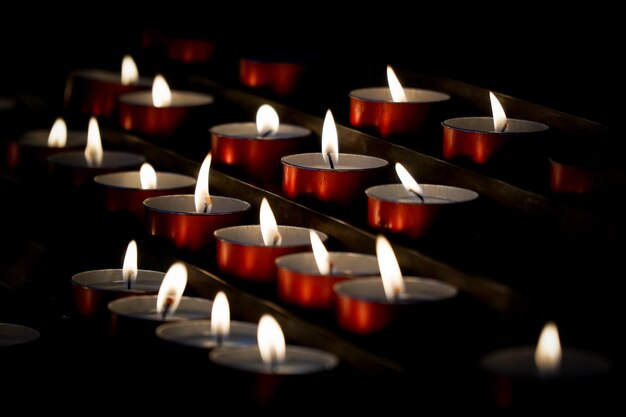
x=412, y=209
x=394, y=110
x=484, y=138
x=369, y=305
x=329, y=176
x=189, y=220
x=307, y=279
x=93, y=290
x=127, y=190
x=249, y=252
x=190, y=50
x=256, y=149
x=280, y=77
x=161, y=112
x=79, y=168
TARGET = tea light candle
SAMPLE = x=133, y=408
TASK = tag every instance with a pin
x=79, y=168
x=127, y=190
x=161, y=112
x=394, y=110
x=369, y=305
x=249, y=252
x=329, y=176
x=16, y=334
x=307, y=279
x=412, y=209
x=95, y=92
x=280, y=77
x=93, y=290
x=577, y=175
x=256, y=149
x=189, y=220
x=190, y=50
x=482, y=139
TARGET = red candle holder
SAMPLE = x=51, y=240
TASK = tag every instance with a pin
x=390, y=207
x=363, y=308
x=32, y=150
x=190, y=51
x=279, y=77
x=569, y=177
x=242, y=253
x=138, y=113
x=300, y=282
x=308, y=174
x=174, y=218
x=474, y=138
x=239, y=145
x=96, y=92
x=374, y=108
x=122, y=190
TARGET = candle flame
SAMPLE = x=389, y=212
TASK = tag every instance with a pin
x=269, y=227
x=548, y=352
x=148, y=177
x=320, y=254
x=408, y=182
x=93, y=150
x=172, y=289
x=397, y=92
x=58, y=134
x=271, y=341
x=330, y=141
x=267, y=121
x=161, y=94
x=389, y=269
x=499, y=116
x=130, y=73
x=220, y=315
x=129, y=269
x=202, y=196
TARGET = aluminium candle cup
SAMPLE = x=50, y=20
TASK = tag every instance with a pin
x=362, y=307
x=391, y=208
x=138, y=114
x=238, y=145
x=280, y=77
x=93, y=290
x=197, y=335
x=242, y=253
x=307, y=174
x=190, y=50
x=474, y=138
x=174, y=218
x=95, y=92
x=573, y=178
x=374, y=108
x=31, y=149
x=300, y=282
x=122, y=190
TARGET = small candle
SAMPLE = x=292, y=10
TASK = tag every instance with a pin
x=413, y=209
x=189, y=220
x=127, y=190
x=190, y=50
x=79, y=168
x=93, y=290
x=369, y=305
x=256, y=149
x=307, y=279
x=484, y=138
x=249, y=252
x=161, y=112
x=330, y=176
x=280, y=77
x=95, y=92
x=394, y=110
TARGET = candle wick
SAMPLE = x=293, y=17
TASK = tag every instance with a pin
x=266, y=133
x=333, y=270
x=273, y=361
x=166, y=307
x=220, y=339
x=129, y=283
x=330, y=161
x=276, y=241
x=206, y=208
x=418, y=195
x=506, y=125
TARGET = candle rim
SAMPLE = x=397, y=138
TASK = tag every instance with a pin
x=219, y=235
x=299, y=132
x=445, y=291
x=76, y=159
x=532, y=126
x=123, y=307
x=25, y=334
x=144, y=99
x=290, y=263
x=111, y=77
x=167, y=331
x=437, y=96
x=470, y=195
x=39, y=137
x=102, y=179
x=244, y=205
x=380, y=163
x=79, y=279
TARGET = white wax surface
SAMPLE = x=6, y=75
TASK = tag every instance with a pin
x=197, y=334
x=248, y=130
x=132, y=180
x=179, y=99
x=15, y=334
x=110, y=159
x=185, y=204
x=485, y=125
x=347, y=162
x=345, y=264
x=112, y=280
x=250, y=235
x=433, y=194
x=417, y=290
x=413, y=95
x=110, y=77
x=298, y=361
x=39, y=138
x=143, y=307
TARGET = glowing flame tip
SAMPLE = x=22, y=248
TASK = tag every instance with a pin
x=172, y=289
x=148, y=177
x=129, y=268
x=499, y=116
x=397, y=92
x=322, y=258
x=267, y=121
x=202, y=197
x=220, y=315
x=390, y=272
x=161, y=93
x=269, y=227
x=330, y=140
x=58, y=134
x=271, y=341
x=408, y=182
x=548, y=353
x=93, y=150
x=130, y=73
